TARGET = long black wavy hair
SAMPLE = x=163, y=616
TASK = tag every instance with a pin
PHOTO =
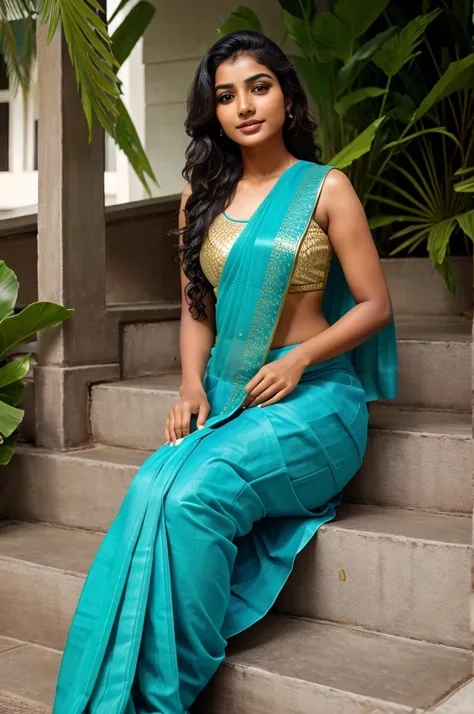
x=213, y=162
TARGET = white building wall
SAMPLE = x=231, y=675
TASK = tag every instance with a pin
x=173, y=46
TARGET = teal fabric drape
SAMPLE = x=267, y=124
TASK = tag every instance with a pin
x=208, y=531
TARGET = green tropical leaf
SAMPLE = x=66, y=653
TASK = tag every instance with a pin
x=349, y=100
x=37, y=316
x=118, y=9
x=10, y=419
x=358, y=147
x=446, y=270
x=438, y=239
x=315, y=77
x=466, y=186
x=13, y=371
x=8, y=290
x=466, y=223
x=131, y=30
x=400, y=49
x=301, y=32
x=298, y=8
x=458, y=76
x=348, y=73
x=128, y=140
x=7, y=449
x=13, y=393
x=387, y=219
x=244, y=18
x=336, y=31
x=464, y=171
x=433, y=130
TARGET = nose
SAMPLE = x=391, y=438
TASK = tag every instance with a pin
x=245, y=106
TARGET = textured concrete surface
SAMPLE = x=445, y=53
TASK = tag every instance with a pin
x=461, y=702
x=397, y=571
x=41, y=574
x=291, y=666
x=79, y=489
x=27, y=678
x=402, y=572
x=416, y=459
x=149, y=348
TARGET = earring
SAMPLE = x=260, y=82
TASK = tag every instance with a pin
x=221, y=133
x=290, y=115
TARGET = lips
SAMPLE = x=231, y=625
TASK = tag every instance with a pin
x=249, y=124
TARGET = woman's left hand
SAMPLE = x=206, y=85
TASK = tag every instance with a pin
x=274, y=381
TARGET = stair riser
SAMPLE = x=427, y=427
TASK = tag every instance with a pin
x=416, y=288
x=64, y=491
x=241, y=690
x=435, y=375
x=411, y=470
x=37, y=604
x=406, y=470
x=389, y=584
x=392, y=584
x=150, y=348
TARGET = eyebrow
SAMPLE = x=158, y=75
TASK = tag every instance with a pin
x=247, y=81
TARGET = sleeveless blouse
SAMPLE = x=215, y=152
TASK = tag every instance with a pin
x=311, y=266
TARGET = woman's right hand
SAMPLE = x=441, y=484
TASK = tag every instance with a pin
x=193, y=401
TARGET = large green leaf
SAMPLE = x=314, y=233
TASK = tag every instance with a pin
x=13, y=393
x=131, y=30
x=7, y=449
x=438, y=239
x=349, y=100
x=37, y=316
x=348, y=73
x=128, y=140
x=298, y=8
x=10, y=419
x=359, y=16
x=243, y=18
x=400, y=49
x=466, y=223
x=315, y=77
x=458, y=76
x=358, y=147
x=85, y=30
x=13, y=371
x=8, y=290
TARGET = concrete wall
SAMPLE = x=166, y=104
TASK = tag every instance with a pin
x=173, y=46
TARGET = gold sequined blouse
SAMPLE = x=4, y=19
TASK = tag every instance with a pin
x=312, y=262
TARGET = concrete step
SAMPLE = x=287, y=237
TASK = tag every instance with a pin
x=401, y=572
x=77, y=489
x=416, y=459
x=284, y=665
x=434, y=363
x=281, y=665
x=390, y=570
x=28, y=676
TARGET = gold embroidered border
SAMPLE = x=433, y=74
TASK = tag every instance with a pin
x=277, y=280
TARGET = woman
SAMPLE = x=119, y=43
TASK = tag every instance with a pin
x=212, y=522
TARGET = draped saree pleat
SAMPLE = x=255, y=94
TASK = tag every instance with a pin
x=209, y=529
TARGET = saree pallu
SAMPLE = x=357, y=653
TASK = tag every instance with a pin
x=209, y=529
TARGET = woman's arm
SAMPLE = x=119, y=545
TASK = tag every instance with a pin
x=196, y=336
x=353, y=244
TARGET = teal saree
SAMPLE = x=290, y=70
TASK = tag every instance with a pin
x=209, y=529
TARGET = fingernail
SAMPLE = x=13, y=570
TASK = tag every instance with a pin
x=200, y=426
x=259, y=405
x=178, y=441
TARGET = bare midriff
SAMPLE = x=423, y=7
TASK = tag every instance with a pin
x=301, y=318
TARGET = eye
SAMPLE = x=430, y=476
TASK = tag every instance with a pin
x=223, y=98
x=263, y=87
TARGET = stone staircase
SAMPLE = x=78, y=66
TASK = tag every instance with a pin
x=375, y=616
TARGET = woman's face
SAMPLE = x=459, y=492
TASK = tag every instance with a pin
x=247, y=91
